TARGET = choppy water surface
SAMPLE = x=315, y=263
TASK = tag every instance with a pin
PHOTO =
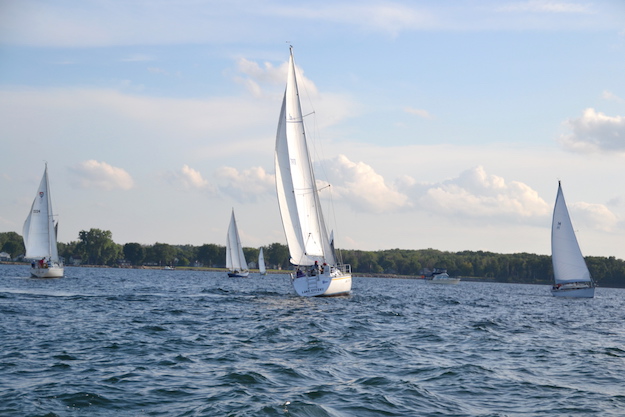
x=109, y=342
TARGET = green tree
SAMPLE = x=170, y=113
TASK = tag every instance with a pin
x=12, y=243
x=68, y=250
x=277, y=255
x=97, y=247
x=211, y=254
x=162, y=254
x=134, y=252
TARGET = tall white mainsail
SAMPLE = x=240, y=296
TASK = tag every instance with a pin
x=39, y=232
x=569, y=266
x=300, y=208
x=235, y=259
x=305, y=229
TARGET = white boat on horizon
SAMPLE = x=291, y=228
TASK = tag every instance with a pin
x=318, y=272
x=39, y=234
x=442, y=278
x=571, y=275
x=235, y=259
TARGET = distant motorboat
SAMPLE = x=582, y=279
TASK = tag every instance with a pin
x=39, y=234
x=441, y=278
x=571, y=275
x=318, y=272
x=235, y=259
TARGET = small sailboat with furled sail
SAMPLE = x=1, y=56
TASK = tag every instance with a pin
x=318, y=272
x=571, y=275
x=235, y=259
x=39, y=234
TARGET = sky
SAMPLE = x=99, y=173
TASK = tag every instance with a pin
x=437, y=124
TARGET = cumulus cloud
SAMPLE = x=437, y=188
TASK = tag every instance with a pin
x=593, y=216
x=247, y=185
x=362, y=188
x=595, y=132
x=476, y=194
x=257, y=78
x=608, y=95
x=95, y=174
x=189, y=178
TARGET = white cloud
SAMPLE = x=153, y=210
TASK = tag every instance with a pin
x=546, y=6
x=359, y=186
x=389, y=17
x=476, y=194
x=94, y=174
x=595, y=132
x=593, y=216
x=607, y=95
x=419, y=112
x=247, y=185
x=189, y=178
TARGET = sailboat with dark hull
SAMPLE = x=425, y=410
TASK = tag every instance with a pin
x=317, y=270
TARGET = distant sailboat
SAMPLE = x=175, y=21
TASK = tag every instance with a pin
x=261, y=262
x=39, y=233
x=318, y=272
x=572, y=278
x=235, y=260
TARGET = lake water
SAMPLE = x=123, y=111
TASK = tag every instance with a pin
x=118, y=342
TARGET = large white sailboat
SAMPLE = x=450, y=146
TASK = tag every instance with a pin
x=235, y=260
x=572, y=278
x=318, y=272
x=39, y=233
x=261, y=263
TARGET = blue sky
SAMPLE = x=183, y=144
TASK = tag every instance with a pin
x=438, y=124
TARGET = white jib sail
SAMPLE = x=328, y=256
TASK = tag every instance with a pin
x=567, y=258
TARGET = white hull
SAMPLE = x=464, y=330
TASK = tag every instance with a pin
x=52, y=272
x=238, y=274
x=444, y=281
x=323, y=285
x=574, y=292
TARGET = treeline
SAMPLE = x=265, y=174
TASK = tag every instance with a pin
x=96, y=247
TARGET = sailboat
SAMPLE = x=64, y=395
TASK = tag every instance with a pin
x=317, y=271
x=572, y=278
x=235, y=260
x=261, y=263
x=39, y=233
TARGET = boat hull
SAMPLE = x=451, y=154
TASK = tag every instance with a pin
x=323, y=285
x=444, y=281
x=52, y=272
x=238, y=274
x=587, y=292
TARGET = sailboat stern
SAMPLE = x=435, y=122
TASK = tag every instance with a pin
x=53, y=271
x=332, y=282
x=574, y=290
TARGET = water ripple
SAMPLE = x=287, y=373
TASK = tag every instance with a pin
x=105, y=342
